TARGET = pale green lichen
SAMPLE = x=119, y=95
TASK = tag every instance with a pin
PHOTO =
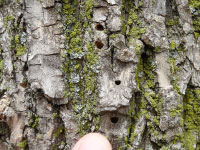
x=39, y=137
x=133, y=18
x=113, y=36
x=22, y=144
x=7, y=19
x=138, y=48
x=195, y=11
x=80, y=65
x=172, y=22
x=172, y=45
x=191, y=117
x=20, y=49
x=16, y=28
x=89, y=7
x=55, y=115
x=1, y=65
x=164, y=148
x=33, y=121
x=60, y=131
x=145, y=78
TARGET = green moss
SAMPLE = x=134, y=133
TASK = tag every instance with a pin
x=136, y=32
x=133, y=21
x=189, y=141
x=156, y=121
x=1, y=65
x=172, y=22
x=39, y=137
x=33, y=121
x=139, y=73
x=124, y=26
x=15, y=43
x=133, y=18
x=22, y=144
x=7, y=19
x=20, y=49
x=164, y=148
x=172, y=45
x=157, y=49
x=138, y=49
x=196, y=35
x=150, y=100
x=60, y=131
x=55, y=115
x=89, y=7
x=191, y=116
x=147, y=116
x=80, y=64
x=195, y=5
x=113, y=36
x=145, y=78
x=173, y=66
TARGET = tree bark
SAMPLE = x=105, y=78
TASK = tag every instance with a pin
x=128, y=69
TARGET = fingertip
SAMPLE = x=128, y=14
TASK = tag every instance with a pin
x=93, y=141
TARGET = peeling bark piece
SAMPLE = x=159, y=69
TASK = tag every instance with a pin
x=163, y=70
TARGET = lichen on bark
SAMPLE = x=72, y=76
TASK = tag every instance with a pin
x=80, y=66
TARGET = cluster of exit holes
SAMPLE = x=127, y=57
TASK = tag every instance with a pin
x=98, y=43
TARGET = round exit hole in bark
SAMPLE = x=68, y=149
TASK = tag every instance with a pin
x=24, y=84
x=99, y=44
x=114, y=119
x=99, y=27
x=117, y=82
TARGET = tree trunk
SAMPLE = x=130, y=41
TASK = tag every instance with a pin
x=129, y=69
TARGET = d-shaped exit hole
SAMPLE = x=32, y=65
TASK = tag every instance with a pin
x=99, y=27
x=99, y=44
x=117, y=82
x=114, y=119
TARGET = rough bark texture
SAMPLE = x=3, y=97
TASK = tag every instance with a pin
x=129, y=69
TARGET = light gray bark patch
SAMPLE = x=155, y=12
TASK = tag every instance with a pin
x=44, y=49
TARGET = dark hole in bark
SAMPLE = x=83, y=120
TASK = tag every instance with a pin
x=26, y=67
x=114, y=119
x=24, y=84
x=99, y=27
x=144, y=56
x=99, y=44
x=117, y=82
